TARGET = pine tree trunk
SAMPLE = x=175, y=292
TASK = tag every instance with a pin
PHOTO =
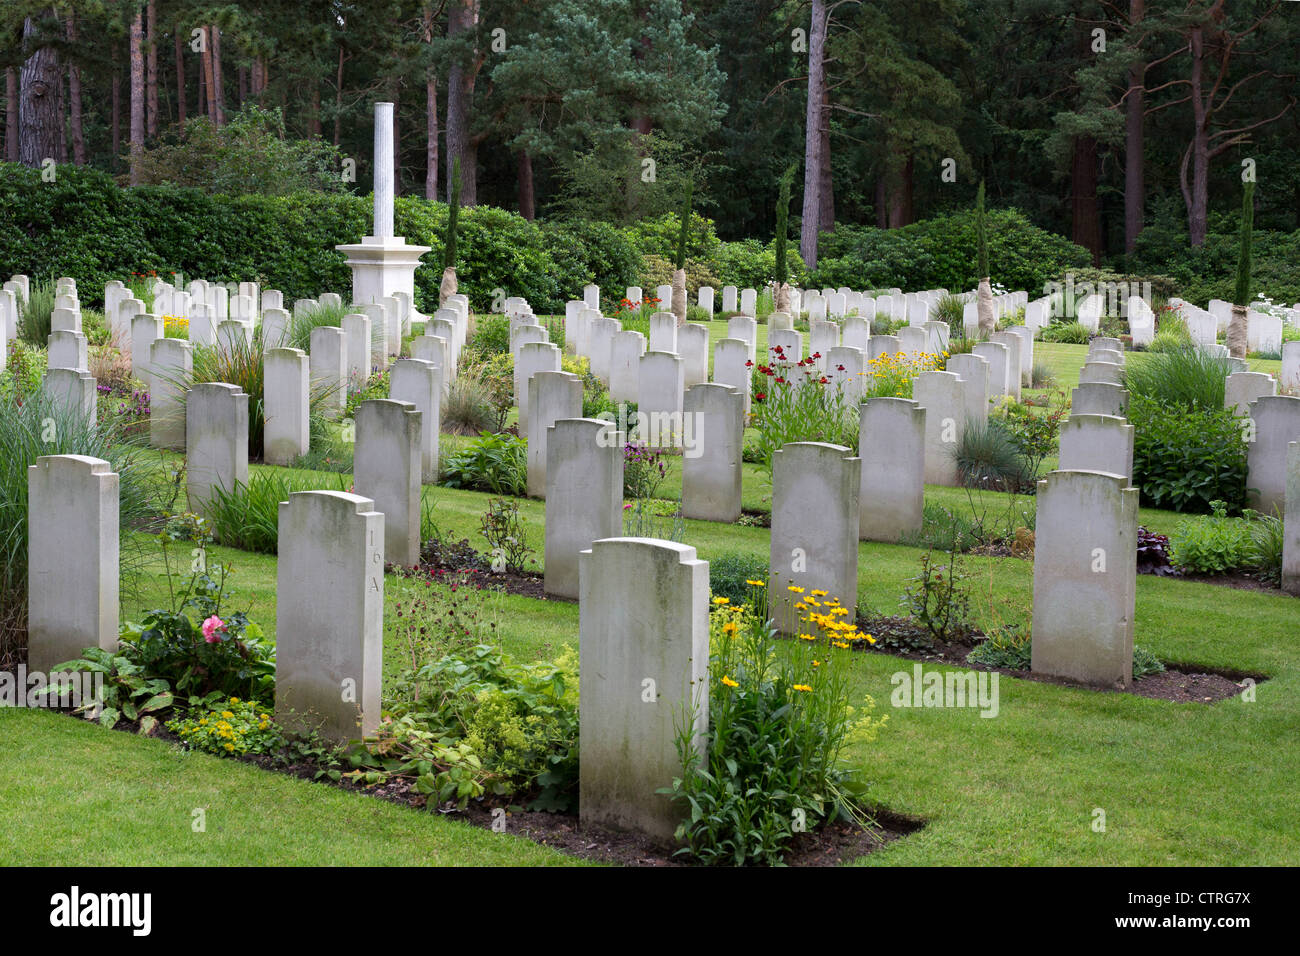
x=11, y=114
x=431, y=141
x=781, y=298
x=137, y=91
x=1134, y=142
x=1237, y=339
x=901, y=211
x=813, y=119
x=75, y=129
x=1196, y=196
x=527, y=198
x=151, y=72
x=218, y=87
x=40, y=103
x=826, y=215
x=338, y=99
x=180, y=78
x=462, y=17
x=1086, y=222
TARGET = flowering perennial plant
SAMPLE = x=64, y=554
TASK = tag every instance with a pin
x=779, y=720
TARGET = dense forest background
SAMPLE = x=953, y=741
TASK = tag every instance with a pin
x=1124, y=126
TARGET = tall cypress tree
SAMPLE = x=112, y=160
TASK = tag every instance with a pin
x=783, y=224
x=1242, y=296
x=453, y=217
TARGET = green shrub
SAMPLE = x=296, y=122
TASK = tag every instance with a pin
x=730, y=575
x=470, y=406
x=227, y=727
x=36, y=312
x=987, y=456
x=1070, y=333
x=248, y=516
x=491, y=336
x=1184, y=460
x=1266, y=543
x=1214, y=545
x=943, y=530
x=941, y=253
x=1008, y=648
x=494, y=463
x=1188, y=378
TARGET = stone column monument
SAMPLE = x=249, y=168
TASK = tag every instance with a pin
x=382, y=264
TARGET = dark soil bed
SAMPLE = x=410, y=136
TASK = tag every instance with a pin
x=1180, y=683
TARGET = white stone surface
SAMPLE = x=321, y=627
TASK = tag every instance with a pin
x=1085, y=577
x=584, y=496
x=1276, y=424
x=643, y=630
x=552, y=395
x=287, y=390
x=891, y=441
x=329, y=369
x=1243, y=388
x=386, y=469
x=329, y=614
x=171, y=362
x=419, y=383
x=216, y=441
x=711, y=471
x=943, y=397
x=1097, y=443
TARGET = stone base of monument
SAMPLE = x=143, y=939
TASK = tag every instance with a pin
x=382, y=267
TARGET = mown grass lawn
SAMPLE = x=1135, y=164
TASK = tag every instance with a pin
x=1178, y=783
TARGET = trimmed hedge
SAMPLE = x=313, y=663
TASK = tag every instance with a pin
x=940, y=253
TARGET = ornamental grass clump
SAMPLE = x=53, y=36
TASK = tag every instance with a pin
x=779, y=722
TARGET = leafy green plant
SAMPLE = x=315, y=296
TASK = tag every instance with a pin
x=127, y=693
x=1145, y=663
x=793, y=402
x=1071, y=333
x=1184, y=460
x=228, y=727
x=491, y=336
x=1007, y=648
x=36, y=312
x=1187, y=378
x=190, y=644
x=494, y=463
x=939, y=598
x=731, y=575
x=1215, y=544
x=779, y=719
x=1266, y=545
x=1034, y=431
x=502, y=527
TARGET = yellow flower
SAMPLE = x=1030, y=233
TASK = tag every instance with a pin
x=819, y=593
x=756, y=584
x=807, y=637
x=795, y=588
x=817, y=663
x=234, y=700
x=728, y=682
x=841, y=645
x=803, y=687
x=229, y=747
x=721, y=600
x=203, y=721
x=227, y=714
x=730, y=627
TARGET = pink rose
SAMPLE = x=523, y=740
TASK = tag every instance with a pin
x=210, y=628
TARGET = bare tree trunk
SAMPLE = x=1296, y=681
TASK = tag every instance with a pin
x=151, y=72
x=338, y=100
x=180, y=78
x=1086, y=223
x=209, y=88
x=1237, y=338
x=901, y=211
x=1196, y=196
x=218, y=87
x=137, y=90
x=527, y=198
x=430, y=117
x=826, y=218
x=40, y=103
x=204, y=69
x=117, y=116
x=462, y=17
x=812, y=159
x=11, y=115
x=74, y=99
x=1134, y=142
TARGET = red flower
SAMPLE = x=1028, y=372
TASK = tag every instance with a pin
x=780, y=381
x=750, y=365
x=759, y=396
x=839, y=368
x=816, y=355
x=823, y=380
